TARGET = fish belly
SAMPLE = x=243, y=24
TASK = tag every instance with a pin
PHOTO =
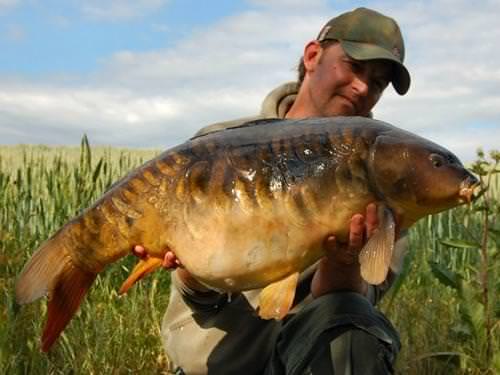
x=242, y=250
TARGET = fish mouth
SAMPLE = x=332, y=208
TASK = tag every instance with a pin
x=467, y=189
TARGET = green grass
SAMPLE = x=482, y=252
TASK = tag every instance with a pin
x=446, y=324
x=40, y=188
x=438, y=307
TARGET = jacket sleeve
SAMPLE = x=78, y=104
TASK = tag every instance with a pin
x=214, y=333
x=225, y=125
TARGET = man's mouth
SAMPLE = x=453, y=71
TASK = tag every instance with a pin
x=351, y=102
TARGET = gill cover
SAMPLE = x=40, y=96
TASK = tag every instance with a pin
x=417, y=177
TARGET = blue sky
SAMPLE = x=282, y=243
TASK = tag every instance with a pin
x=149, y=73
x=73, y=36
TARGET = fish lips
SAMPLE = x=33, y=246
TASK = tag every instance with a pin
x=467, y=189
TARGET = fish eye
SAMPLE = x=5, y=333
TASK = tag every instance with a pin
x=437, y=160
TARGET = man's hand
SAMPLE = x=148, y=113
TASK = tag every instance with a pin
x=171, y=262
x=339, y=269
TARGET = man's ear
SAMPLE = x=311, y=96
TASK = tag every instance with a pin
x=312, y=54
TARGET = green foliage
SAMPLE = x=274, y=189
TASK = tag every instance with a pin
x=445, y=304
x=448, y=307
x=40, y=189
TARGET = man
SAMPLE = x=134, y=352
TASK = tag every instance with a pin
x=334, y=327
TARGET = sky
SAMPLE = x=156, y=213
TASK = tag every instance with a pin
x=150, y=73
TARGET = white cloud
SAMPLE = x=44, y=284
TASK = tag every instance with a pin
x=5, y=4
x=452, y=86
x=60, y=21
x=252, y=49
x=119, y=10
x=161, y=97
x=14, y=33
x=160, y=28
x=455, y=74
x=108, y=116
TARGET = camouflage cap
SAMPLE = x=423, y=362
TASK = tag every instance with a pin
x=368, y=35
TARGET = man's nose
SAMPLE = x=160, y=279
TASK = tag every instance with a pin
x=360, y=86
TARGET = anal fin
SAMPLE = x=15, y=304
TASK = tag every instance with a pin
x=141, y=269
x=276, y=299
x=375, y=257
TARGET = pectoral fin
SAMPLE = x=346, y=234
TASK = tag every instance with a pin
x=400, y=251
x=140, y=270
x=375, y=257
x=276, y=299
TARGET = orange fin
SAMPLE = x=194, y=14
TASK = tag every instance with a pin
x=141, y=269
x=375, y=257
x=276, y=299
x=64, y=299
x=41, y=271
x=50, y=271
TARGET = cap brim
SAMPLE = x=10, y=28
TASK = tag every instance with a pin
x=365, y=51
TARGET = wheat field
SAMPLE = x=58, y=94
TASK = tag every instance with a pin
x=445, y=304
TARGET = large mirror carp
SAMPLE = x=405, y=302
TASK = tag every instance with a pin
x=249, y=207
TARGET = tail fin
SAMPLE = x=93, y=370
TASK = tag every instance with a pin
x=51, y=272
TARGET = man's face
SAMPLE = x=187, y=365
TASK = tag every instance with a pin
x=341, y=86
